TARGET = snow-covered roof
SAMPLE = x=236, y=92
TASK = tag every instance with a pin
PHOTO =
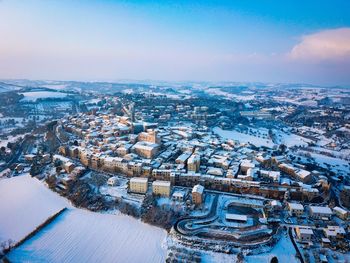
x=340, y=210
x=236, y=217
x=321, y=210
x=295, y=206
x=139, y=180
x=198, y=189
x=161, y=183
x=305, y=231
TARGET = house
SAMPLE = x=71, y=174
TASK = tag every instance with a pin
x=179, y=196
x=162, y=188
x=113, y=181
x=304, y=234
x=341, y=213
x=138, y=185
x=320, y=212
x=334, y=232
x=197, y=194
x=295, y=209
x=29, y=157
x=276, y=205
x=68, y=167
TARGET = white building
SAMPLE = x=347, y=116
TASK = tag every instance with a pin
x=113, y=181
x=295, y=209
x=179, y=196
x=320, y=212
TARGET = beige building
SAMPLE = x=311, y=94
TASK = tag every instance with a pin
x=193, y=163
x=161, y=174
x=146, y=149
x=150, y=136
x=162, y=188
x=197, y=194
x=138, y=185
x=304, y=234
x=341, y=213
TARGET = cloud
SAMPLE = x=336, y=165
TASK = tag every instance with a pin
x=327, y=45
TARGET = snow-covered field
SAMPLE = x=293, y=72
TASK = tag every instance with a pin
x=34, y=95
x=334, y=164
x=290, y=139
x=283, y=250
x=25, y=203
x=243, y=138
x=76, y=235
x=3, y=143
x=84, y=236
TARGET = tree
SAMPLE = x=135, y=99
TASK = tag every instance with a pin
x=282, y=148
x=274, y=260
x=240, y=257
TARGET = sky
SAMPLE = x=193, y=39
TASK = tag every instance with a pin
x=258, y=40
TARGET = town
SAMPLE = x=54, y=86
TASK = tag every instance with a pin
x=235, y=169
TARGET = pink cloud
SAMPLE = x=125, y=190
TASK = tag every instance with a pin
x=327, y=45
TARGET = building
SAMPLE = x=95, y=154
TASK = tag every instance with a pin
x=150, y=136
x=334, y=232
x=345, y=196
x=236, y=218
x=320, y=212
x=138, y=185
x=162, y=188
x=113, y=181
x=146, y=149
x=193, y=163
x=299, y=174
x=161, y=174
x=197, y=194
x=341, y=213
x=68, y=167
x=179, y=196
x=304, y=234
x=245, y=165
x=295, y=209
x=303, y=175
x=183, y=158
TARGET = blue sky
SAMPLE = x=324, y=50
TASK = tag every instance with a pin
x=270, y=41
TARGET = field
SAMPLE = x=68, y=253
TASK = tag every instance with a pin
x=25, y=204
x=76, y=235
x=34, y=95
x=83, y=236
x=244, y=138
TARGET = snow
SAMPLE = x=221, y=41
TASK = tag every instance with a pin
x=10, y=139
x=34, y=95
x=290, y=139
x=25, y=204
x=283, y=250
x=243, y=138
x=334, y=164
x=76, y=235
x=83, y=236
